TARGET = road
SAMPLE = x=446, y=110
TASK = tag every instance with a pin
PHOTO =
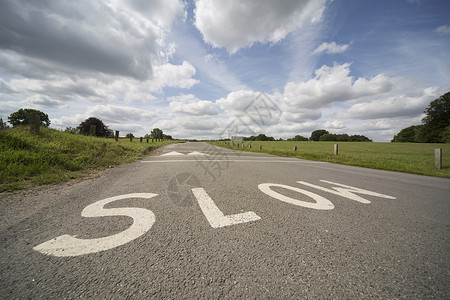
x=197, y=221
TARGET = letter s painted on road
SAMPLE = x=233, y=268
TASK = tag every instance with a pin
x=66, y=245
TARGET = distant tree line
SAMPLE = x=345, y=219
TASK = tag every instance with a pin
x=22, y=117
x=259, y=137
x=318, y=135
x=435, y=126
x=322, y=135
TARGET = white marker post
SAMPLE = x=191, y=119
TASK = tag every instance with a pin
x=336, y=149
x=438, y=158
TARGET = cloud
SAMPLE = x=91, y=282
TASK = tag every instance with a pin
x=444, y=29
x=236, y=24
x=83, y=37
x=289, y=130
x=338, y=124
x=252, y=108
x=115, y=117
x=191, y=48
x=199, y=127
x=392, y=107
x=173, y=76
x=331, y=48
x=190, y=105
x=163, y=12
x=62, y=89
x=333, y=84
x=304, y=114
x=117, y=114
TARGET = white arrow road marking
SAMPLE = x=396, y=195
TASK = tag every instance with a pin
x=66, y=245
x=321, y=202
x=213, y=214
x=197, y=153
x=173, y=153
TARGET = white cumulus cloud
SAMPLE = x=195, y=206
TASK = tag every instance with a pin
x=235, y=24
x=190, y=105
x=333, y=84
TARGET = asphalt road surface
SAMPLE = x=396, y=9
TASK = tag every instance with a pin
x=196, y=221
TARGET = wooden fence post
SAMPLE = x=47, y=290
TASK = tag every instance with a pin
x=35, y=123
x=438, y=158
x=295, y=148
x=116, y=137
x=336, y=149
x=260, y=147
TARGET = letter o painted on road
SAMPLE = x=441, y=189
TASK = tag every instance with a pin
x=321, y=203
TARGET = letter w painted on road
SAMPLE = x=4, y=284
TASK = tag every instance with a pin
x=346, y=191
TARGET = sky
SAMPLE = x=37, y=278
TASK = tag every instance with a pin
x=210, y=69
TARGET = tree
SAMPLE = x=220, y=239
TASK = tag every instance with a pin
x=359, y=138
x=446, y=134
x=406, y=135
x=3, y=125
x=72, y=130
x=129, y=135
x=435, y=125
x=156, y=133
x=101, y=129
x=263, y=137
x=167, y=137
x=298, y=138
x=437, y=119
x=315, y=135
x=21, y=117
x=328, y=137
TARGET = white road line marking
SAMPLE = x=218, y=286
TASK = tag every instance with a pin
x=213, y=214
x=66, y=245
x=232, y=160
x=321, y=202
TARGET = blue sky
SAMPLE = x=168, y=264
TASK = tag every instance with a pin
x=208, y=69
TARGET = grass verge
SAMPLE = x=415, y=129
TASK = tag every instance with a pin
x=402, y=157
x=53, y=156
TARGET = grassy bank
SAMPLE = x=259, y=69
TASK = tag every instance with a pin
x=402, y=157
x=55, y=156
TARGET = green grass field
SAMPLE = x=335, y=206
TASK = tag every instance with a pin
x=54, y=156
x=402, y=157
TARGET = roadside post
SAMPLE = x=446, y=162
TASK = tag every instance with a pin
x=438, y=158
x=336, y=149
